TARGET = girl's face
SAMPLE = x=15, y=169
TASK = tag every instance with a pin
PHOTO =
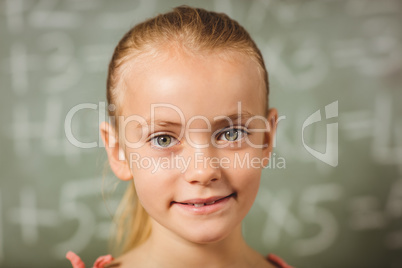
x=196, y=135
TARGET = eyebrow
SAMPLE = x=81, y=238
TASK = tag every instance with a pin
x=233, y=117
x=162, y=123
x=221, y=119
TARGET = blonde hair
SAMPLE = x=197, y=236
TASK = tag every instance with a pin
x=193, y=30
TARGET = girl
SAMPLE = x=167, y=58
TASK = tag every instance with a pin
x=188, y=102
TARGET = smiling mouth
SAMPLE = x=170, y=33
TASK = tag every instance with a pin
x=200, y=203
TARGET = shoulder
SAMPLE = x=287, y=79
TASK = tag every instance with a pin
x=268, y=261
x=277, y=262
x=131, y=259
x=106, y=261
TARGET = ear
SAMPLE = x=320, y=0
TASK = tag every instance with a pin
x=272, y=118
x=115, y=153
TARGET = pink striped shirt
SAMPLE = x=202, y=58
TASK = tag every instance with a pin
x=105, y=261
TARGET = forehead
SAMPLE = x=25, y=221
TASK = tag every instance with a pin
x=208, y=84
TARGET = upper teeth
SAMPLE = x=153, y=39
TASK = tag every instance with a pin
x=197, y=205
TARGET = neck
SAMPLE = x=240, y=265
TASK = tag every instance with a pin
x=165, y=249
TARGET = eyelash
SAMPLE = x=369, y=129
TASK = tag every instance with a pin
x=243, y=132
x=154, y=139
x=173, y=141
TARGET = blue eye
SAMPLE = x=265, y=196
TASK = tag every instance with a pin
x=163, y=141
x=233, y=134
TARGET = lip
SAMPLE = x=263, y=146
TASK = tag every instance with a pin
x=218, y=203
x=203, y=200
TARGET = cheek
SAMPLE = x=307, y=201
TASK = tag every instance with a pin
x=246, y=175
x=149, y=195
x=154, y=188
x=248, y=182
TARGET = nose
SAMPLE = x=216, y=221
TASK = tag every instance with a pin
x=204, y=167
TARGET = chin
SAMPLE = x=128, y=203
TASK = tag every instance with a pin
x=207, y=234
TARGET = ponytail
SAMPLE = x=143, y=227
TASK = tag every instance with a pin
x=132, y=223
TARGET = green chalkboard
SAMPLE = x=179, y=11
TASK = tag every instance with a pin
x=332, y=195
